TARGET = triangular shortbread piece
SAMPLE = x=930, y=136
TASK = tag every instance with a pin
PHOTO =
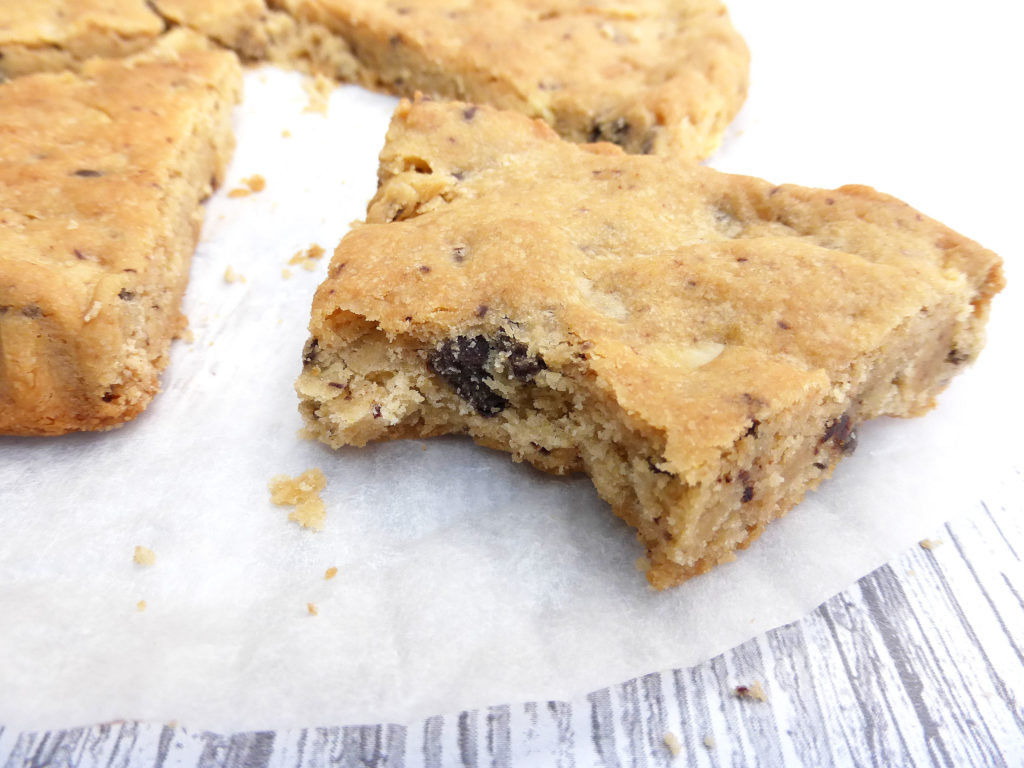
x=702, y=345
x=101, y=179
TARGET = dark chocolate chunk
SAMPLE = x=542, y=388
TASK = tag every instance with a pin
x=840, y=432
x=748, y=487
x=956, y=357
x=522, y=365
x=616, y=132
x=461, y=362
x=309, y=353
x=126, y=295
x=752, y=429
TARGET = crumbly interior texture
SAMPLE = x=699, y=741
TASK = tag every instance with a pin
x=649, y=75
x=102, y=173
x=702, y=345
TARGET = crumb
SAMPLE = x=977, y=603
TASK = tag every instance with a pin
x=752, y=691
x=255, y=183
x=286, y=273
x=302, y=492
x=230, y=276
x=672, y=742
x=311, y=607
x=308, y=258
x=144, y=556
x=286, y=134
x=318, y=88
x=643, y=564
x=930, y=543
x=239, y=192
x=709, y=741
x=140, y=606
x=330, y=573
x=189, y=336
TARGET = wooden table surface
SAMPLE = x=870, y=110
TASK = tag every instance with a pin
x=919, y=663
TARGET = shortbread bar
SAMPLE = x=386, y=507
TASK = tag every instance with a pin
x=101, y=178
x=702, y=345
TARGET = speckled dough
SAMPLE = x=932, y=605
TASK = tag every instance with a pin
x=101, y=178
x=702, y=345
x=663, y=76
x=648, y=75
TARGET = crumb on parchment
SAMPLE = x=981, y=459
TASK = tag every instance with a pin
x=673, y=744
x=230, y=276
x=752, y=691
x=303, y=493
x=312, y=609
x=330, y=573
x=307, y=258
x=252, y=184
x=709, y=741
x=930, y=543
x=140, y=606
x=144, y=556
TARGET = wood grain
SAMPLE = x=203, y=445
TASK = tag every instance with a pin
x=919, y=663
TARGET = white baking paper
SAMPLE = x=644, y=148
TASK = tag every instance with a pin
x=463, y=579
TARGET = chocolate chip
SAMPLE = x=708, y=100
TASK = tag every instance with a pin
x=309, y=353
x=956, y=357
x=783, y=325
x=819, y=465
x=840, y=432
x=376, y=410
x=335, y=384
x=459, y=253
x=32, y=311
x=424, y=269
x=752, y=429
x=109, y=397
x=88, y=173
x=395, y=40
x=748, y=487
x=523, y=365
x=461, y=363
x=79, y=254
x=481, y=310
x=617, y=131
x=126, y=295
x=657, y=470
x=470, y=112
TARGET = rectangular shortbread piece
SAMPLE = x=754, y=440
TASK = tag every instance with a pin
x=702, y=345
x=101, y=178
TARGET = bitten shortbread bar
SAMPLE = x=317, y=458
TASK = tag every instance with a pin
x=101, y=178
x=702, y=345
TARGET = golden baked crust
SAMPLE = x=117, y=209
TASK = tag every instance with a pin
x=54, y=35
x=101, y=178
x=648, y=75
x=702, y=345
x=662, y=76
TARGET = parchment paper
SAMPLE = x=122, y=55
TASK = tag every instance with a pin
x=463, y=579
